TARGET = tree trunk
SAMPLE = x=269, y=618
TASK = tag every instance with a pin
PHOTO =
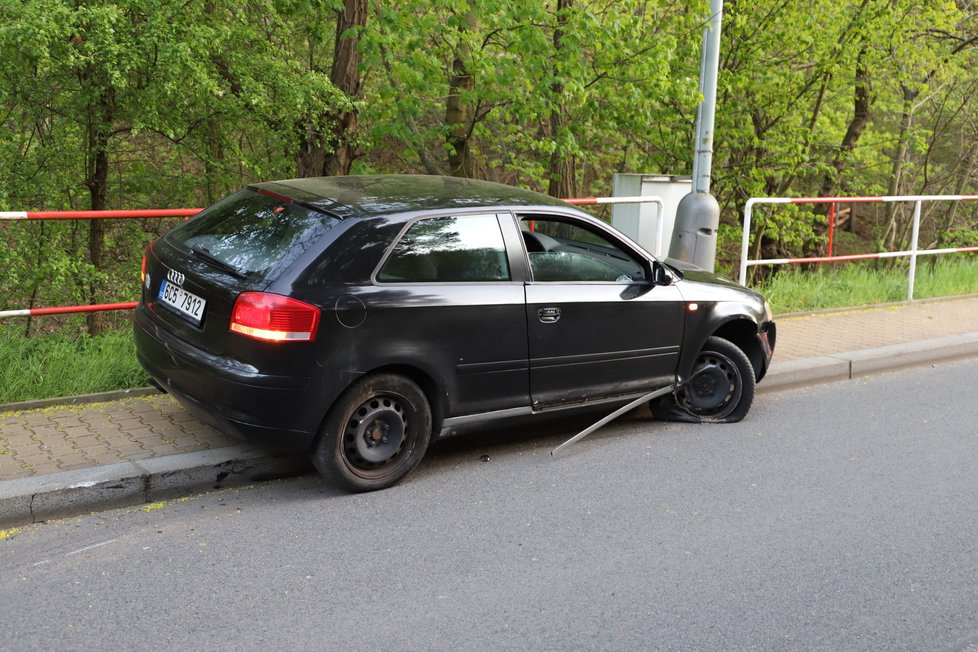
x=310, y=159
x=345, y=75
x=561, y=169
x=861, y=103
x=964, y=174
x=459, y=112
x=99, y=127
x=332, y=153
x=896, y=171
x=213, y=164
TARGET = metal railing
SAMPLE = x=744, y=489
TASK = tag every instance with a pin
x=911, y=253
x=86, y=215
x=189, y=212
x=97, y=215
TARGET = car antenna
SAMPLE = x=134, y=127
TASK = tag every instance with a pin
x=614, y=415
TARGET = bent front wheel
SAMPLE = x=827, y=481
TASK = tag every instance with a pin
x=720, y=388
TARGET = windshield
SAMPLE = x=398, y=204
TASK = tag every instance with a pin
x=252, y=234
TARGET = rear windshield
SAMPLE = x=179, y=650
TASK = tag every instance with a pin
x=251, y=234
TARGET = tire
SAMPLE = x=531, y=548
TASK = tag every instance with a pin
x=374, y=434
x=720, y=389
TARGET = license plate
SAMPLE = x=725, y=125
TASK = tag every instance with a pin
x=185, y=303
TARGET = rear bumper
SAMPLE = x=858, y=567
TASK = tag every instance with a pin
x=280, y=411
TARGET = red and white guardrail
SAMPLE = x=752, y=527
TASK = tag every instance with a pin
x=189, y=212
x=912, y=253
x=98, y=215
x=64, y=310
x=86, y=215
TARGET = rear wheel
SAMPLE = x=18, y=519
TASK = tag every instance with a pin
x=720, y=389
x=375, y=434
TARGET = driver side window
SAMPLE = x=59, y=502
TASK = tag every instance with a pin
x=561, y=251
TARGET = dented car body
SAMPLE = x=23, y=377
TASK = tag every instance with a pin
x=358, y=318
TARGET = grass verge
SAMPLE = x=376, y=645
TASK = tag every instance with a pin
x=861, y=284
x=62, y=364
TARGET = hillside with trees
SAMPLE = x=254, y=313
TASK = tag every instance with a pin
x=137, y=103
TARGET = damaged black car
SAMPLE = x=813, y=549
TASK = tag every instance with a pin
x=359, y=318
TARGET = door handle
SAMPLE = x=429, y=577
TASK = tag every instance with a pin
x=548, y=315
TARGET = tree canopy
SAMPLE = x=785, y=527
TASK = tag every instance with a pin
x=135, y=103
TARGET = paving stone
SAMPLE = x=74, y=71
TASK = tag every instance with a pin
x=141, y=434
x=84, y=464
x=124, y=447
x=15, y=430
x=86, y=441
x=59, y=449
x=43, y=429
x=32, y=457
x=63, y=423
x=98, y=422
x=166, y=449
x=71, y=460
x=126, y=423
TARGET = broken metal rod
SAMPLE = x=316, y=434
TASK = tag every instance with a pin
x=617, y=413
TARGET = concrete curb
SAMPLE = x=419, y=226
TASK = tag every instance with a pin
x=81, y=399
x=58, y=495
x=852, y=364
x=31, y=500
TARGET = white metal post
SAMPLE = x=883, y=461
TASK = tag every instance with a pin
x=745, y=241
x=913, y=250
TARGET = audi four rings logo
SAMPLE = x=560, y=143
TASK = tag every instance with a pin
x=175, y=277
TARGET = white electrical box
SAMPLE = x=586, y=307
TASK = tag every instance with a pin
x=641, y=222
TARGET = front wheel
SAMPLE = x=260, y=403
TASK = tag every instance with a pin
x=375, y=434
x=720, y=389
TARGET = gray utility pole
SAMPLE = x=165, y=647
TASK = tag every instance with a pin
x=694, y=238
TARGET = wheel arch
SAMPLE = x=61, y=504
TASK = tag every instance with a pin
x=437, y=400
x=741, y=331
x=743, y=334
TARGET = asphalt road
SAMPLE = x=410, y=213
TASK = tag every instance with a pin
x=838, y=517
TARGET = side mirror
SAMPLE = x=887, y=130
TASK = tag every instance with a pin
x=661, y=275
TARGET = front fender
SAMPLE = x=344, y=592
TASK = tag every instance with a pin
x=728, y=311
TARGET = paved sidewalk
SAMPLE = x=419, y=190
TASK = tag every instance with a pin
x=139, y=448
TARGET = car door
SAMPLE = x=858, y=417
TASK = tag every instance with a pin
x=597, y=324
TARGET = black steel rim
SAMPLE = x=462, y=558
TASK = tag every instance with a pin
x=376, y=433
x=715, y=387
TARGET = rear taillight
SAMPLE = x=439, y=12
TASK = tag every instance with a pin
x=142, y=271
x=274, y=318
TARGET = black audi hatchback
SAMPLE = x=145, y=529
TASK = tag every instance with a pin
x=358, y=318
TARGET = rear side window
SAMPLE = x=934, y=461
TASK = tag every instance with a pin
x=449, y=249
x=252, y=233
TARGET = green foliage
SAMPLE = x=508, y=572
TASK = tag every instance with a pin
x=868, y=283
x=63, y=365
x=852, y=285
x=188, y=101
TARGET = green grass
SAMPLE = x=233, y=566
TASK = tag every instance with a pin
x=60, y=364
x=840, y=285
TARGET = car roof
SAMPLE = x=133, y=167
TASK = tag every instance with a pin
x=386, y=194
